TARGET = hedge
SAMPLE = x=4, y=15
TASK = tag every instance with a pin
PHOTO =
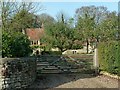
x=109, y=56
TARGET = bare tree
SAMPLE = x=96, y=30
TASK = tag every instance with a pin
x=10, y=9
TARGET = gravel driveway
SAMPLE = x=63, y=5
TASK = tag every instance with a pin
x=49, y=81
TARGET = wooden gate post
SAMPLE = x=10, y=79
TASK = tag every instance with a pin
x=95, y=61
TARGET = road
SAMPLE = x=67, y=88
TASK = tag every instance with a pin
x=74, y=81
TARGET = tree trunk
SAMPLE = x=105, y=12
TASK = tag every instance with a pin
x=61, y=49
x=87, y=46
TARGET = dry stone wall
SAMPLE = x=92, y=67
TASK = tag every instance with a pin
x=17, y=72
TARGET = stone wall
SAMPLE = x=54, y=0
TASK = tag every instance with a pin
x=17, y=72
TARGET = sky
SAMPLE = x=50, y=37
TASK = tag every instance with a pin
x=53, y=8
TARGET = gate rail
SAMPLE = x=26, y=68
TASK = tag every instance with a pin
x=64, y=64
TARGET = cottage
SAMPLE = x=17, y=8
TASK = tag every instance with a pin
x=34, y=35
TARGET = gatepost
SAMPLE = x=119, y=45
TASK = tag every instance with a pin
x=96, y=61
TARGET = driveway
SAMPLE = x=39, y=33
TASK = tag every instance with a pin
x=49, y=81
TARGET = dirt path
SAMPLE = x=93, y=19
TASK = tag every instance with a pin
x=74, y=81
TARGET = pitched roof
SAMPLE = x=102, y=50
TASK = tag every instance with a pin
x=35, y=33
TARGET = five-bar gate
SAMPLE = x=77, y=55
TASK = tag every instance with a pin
x=64, y=64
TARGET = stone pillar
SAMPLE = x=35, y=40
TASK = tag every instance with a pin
x=95, y=61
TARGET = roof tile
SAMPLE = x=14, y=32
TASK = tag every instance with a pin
x=35, y=33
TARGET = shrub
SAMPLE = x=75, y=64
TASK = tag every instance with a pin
x=15, y=45
x=108, y=54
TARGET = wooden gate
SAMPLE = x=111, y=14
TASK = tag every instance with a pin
x=64, y=64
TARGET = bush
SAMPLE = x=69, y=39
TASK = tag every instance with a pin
x=108, y=54
x=15, y=45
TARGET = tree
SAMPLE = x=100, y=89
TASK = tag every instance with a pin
x=15, y=45
x=88, y=20
x=109, y=27
x=0, y=41
x=59, y=34
x=7, y=10
x=17, y=15
x=56, y=36
x=21, y=21
x=46, y=19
